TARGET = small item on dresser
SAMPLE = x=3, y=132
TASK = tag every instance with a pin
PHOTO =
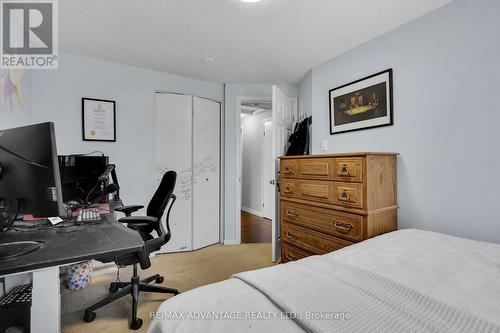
x=332, y=201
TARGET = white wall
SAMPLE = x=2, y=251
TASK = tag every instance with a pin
x=251, y=173
x=56, y=96
x=446, y=113
x=230, y=112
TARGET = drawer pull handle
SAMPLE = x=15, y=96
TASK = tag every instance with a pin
x=344, y=196
x=292, y=213
x=344, y=171
x=291, y=236
x=287, y=171
x=343, y=227
x=287, y=189
x=291, y=257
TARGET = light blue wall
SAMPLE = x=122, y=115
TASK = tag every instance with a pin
x=231, y=92
x=56, y=96
x=446, y=112
x=305, y=95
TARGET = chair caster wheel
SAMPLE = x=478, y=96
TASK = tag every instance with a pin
x=89, y=317
x=177, y=293
x=136, y=324
x=160, y=279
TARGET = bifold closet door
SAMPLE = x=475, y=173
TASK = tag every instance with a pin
x=173, y=118
x=206, y=172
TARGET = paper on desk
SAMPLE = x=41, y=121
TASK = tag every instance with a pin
x=55, y=220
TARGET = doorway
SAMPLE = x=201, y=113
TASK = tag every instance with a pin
x=284, y=113
x=257, y=194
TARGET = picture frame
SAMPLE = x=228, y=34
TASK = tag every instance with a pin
x=98, y=120
x=362, y=104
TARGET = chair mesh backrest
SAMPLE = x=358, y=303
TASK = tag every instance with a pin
x=160, y=199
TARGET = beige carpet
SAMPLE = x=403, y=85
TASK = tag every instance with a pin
x=183, y=271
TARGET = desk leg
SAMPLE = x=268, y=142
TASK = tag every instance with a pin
x=46, y=301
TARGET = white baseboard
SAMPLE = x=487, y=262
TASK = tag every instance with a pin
x=252, y=211
x=231, y=242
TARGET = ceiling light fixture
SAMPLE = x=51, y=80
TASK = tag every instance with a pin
x=208, y=61
x=250, y=0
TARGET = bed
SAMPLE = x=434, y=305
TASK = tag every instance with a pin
x=403, y=281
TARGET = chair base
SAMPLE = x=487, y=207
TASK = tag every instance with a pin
x=134, y=287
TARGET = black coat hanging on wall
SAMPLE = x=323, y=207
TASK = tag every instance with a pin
x=299, y=140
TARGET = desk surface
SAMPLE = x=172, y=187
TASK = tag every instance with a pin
x=66, y=245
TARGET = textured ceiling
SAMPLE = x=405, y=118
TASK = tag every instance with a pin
x=272, y=41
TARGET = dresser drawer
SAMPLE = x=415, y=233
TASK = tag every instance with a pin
x=291, y=253
x=335, y=223
x=289, y=187
x=288, y=168
x=315, y=168
x=348, y=169
x=310, y=240
x=316, y=190
x=348, y=195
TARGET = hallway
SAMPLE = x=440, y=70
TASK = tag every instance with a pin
x=255, y=229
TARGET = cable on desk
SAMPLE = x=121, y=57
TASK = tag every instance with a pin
x=19, y=206
x=93, y=152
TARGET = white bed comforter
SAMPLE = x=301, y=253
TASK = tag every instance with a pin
x=460, y=273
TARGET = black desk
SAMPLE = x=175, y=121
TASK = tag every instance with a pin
x=62, y=246
x=65, y=245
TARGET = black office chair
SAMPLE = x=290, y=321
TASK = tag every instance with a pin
x=144, y=225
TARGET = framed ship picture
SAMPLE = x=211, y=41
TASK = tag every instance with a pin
x=365, y=103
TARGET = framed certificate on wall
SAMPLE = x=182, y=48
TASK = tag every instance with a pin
x=98, y=120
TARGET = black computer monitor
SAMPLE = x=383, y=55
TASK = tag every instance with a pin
x=79, y=175
x=29, y=172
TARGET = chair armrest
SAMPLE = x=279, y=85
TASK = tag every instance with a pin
x=127, y=210
x=139, y=220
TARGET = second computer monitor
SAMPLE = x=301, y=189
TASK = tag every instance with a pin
x=79, y=174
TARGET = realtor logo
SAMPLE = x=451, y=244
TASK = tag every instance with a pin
x=29, y=34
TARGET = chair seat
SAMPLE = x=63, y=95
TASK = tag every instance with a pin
x=142, y=224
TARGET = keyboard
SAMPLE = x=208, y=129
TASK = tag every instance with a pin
x=88, y=215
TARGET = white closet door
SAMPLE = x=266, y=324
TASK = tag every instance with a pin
x=173, y=152
x=206, y=172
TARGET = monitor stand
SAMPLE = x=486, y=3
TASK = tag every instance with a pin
x=16, y=249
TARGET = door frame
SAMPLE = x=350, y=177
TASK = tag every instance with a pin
x=237, y=156
x=263, y=181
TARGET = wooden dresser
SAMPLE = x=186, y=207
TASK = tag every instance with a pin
x=332, y=201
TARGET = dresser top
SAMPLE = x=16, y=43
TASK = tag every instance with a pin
x=341, y=155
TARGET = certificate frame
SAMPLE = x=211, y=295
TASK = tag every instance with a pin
x=104, y=128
